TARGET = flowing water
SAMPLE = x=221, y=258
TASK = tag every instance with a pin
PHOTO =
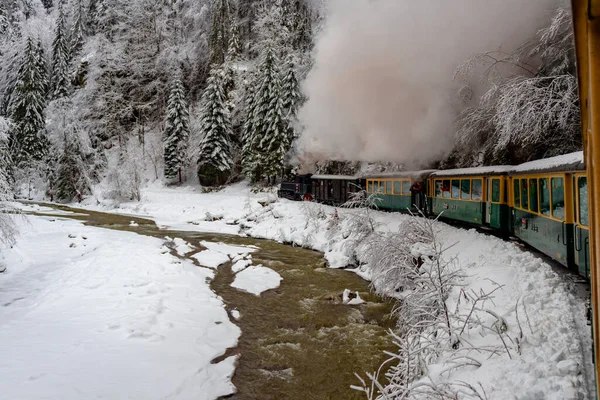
x=298, y=341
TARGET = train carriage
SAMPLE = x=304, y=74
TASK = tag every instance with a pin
x=334, y=189
x=472, y=195
x=549, y=208
x=400, y=191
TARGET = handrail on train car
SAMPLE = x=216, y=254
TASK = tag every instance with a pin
x=586, y=21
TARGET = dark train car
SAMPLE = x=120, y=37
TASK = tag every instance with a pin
x=400, y=191
x=549, y=208
x=299, y=189
x=477, y=196
x=334, y=189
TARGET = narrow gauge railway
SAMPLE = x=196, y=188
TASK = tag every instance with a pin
x=543, y=203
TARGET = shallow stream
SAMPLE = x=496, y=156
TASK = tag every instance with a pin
x=298, y=341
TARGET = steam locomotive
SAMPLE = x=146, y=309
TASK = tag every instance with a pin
x=543, y=203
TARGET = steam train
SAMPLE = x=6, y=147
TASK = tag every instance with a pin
x=544, y=203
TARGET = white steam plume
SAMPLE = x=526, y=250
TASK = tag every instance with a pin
x=382, y=85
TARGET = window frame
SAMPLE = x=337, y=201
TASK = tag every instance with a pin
x=434, y=182
x=388, y=182
x=578, y=202
x=539, y=177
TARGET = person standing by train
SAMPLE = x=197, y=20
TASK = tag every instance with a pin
x=417, y=191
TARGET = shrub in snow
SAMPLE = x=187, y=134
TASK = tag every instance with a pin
x=438, y=323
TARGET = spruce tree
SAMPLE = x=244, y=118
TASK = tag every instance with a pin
x=76, y=37
x=72, y=176
x=47, y=4
x=248, y=152
x=215, y=159
x=220, y=30
x=5, y=160
x=266, y=137
x=60, y=59
x=28, y=140
x=290, y=94
x=4, y=24
x=234, y=48
x=177, y=131
x=95, y=16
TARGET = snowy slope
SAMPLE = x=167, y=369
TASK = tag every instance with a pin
x=95, y=313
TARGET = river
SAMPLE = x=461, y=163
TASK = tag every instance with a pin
x=298, y=341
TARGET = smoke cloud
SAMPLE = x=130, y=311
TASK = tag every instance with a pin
x=382, y=85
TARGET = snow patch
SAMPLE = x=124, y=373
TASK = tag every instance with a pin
x=211, y=259
x=240, y=265
x=256, y=279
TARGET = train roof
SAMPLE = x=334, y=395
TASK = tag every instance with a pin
x=336, y=177
x=566, y=162
x=401, y=174
x=491, y=170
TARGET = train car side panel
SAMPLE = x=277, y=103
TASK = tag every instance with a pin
x=459, y=198
x=542, y=214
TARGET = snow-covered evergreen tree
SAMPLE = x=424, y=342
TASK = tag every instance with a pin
x=297, y=19
x=234, y=48
x=267, y=137
x=28, y=139
x=76, y=36
x=177, y=131
x=5, y=160
x=290, y=95
x=47, y=4
x=248, y=152
x=95, y=16
x=220, y=30
x=72, y=180
x=4, y=24
x=215, y=159
x=60, y=58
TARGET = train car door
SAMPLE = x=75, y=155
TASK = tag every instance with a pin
x=488, y=201
x=581, y=228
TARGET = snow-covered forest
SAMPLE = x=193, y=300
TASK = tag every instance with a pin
x=119, y=93
x=122, y=92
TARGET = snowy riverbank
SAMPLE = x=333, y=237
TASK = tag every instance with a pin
x=555, y=351
x=95, y=313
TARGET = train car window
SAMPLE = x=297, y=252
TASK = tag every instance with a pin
x=544, y=196
x=524, y=194
x=455, y=189
x=558, y=198
x=517, y=193
x=405, y=187
x=465, y=189
x=476, y=189
x=446, y=188
x=388, y=187
x=496, y=190
x=583, y=200
x=370, y=186
x=438, y=188
x=533, y=195
x=397, y=187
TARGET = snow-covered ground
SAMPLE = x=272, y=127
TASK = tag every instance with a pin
x=555, y=360
x=93, y=313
